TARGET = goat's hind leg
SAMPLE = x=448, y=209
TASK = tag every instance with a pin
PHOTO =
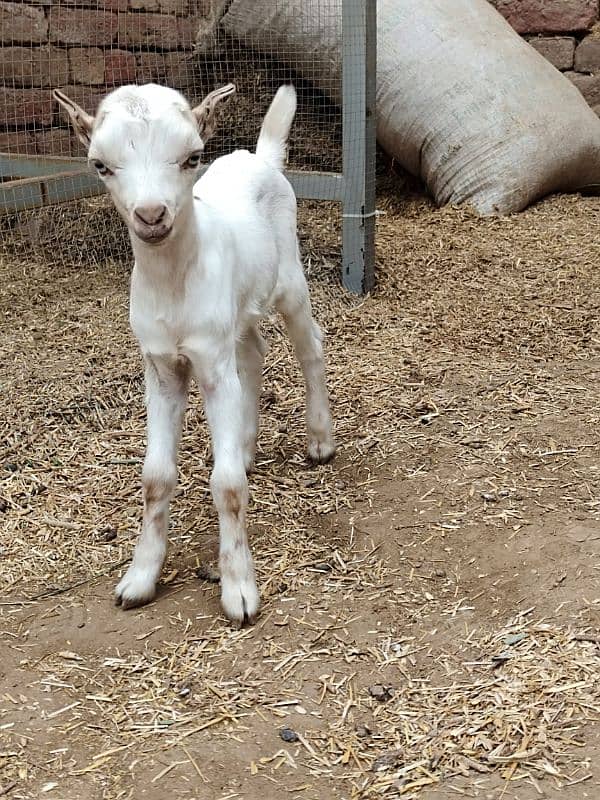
x=293, y=303
x=250, y=355
x=167, y=384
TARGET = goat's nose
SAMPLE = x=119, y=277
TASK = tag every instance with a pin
x=150, y=215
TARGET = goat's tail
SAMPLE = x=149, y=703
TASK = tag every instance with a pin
x=272, y=140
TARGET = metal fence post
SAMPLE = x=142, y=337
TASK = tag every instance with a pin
x=359, y=67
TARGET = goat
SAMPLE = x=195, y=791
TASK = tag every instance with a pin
x=212, y=257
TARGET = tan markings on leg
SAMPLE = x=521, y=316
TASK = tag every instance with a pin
x=155, y=490
x=232, y=501
x=181, y=368
x=158, y=519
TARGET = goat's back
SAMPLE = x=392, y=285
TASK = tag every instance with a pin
x=240, y=183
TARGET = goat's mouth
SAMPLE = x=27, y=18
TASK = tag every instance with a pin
x=154, y=235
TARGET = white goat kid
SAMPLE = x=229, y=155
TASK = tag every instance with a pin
x=211, y=259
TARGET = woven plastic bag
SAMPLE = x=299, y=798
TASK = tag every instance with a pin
x=462, y=101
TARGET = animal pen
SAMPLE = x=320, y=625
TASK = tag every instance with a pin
x=430, y=597
x=93, y=46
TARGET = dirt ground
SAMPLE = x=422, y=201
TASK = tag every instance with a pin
x=431, y=599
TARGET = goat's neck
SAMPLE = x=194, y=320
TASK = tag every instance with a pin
x=167, y=265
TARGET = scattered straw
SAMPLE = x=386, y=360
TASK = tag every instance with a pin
x=447, y=556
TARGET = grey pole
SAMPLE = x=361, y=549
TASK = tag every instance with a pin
x=359, y=66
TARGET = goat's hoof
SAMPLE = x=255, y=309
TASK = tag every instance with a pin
x=136, y=588
x=321, y=452
x=240, y=601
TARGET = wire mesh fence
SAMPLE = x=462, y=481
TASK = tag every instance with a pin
x=51, y=205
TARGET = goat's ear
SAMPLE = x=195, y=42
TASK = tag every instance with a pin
x=81, y=121
x=205, y=113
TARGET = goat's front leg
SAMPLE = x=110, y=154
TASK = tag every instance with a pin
x=224, y=406
x=167, y=382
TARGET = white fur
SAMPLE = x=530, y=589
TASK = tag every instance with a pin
x=231, y=254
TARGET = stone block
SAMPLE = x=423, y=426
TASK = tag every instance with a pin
x=79, y=26
x=55, y=142
x=17, y=143
x=150, y=68
x=22, y=24
x=588, y=85
x=119, y=68
x=558, y=50
x=20, y=107
x=86, y=65
x=549, y=16
x=587, y=55
x=148, y=30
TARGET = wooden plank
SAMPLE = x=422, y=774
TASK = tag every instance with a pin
x=17, y=196
x=35, y=192
x=13, y=167
x=70, y=179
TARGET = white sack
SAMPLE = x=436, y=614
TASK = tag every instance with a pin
x=462, y=101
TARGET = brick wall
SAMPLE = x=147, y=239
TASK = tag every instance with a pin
x=85, y=47
x=89, y=46
x=567, y=33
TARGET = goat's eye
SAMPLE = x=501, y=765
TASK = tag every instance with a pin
x=101, y=168
x=192, y=162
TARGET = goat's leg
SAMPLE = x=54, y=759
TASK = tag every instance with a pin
x=250, y=354
x=167, y=382
x=294, y=306
x=224, y=406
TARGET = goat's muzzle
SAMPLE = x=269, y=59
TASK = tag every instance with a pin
x=152, y=234
x=151, y=223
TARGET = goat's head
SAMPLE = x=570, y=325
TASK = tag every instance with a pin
x=145, y=143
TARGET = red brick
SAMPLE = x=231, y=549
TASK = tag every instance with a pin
x=20, y=107
x=549, y=16
x=587, y=55
x=145, y=5
x=55, y=142
x=87, y=65
x=148, y=30
x=79, y=26
x=151, y=68
x=33, y=66
x=588, y=85
x=103, y=5
x=188, y=31
x=24, y=24
x=558, y=50
x=54, y=66
x=180, y=70
x=178, y=7
x=17, y=142
x=119, y=68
